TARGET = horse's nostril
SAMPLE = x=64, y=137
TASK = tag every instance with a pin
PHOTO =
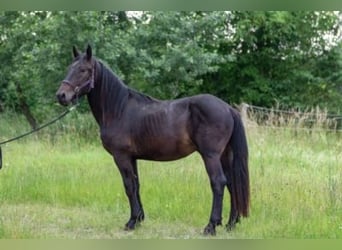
x=61, y=97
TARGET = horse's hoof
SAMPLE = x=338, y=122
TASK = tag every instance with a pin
x=141, y=217
x=130, y=226
x=232, y=223
x=230, y=227
x=209, y=230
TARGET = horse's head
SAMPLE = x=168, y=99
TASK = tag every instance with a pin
x=80, y=78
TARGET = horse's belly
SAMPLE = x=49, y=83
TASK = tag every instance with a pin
x=165, y=150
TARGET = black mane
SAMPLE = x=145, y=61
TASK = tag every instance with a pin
x=111, y=93
x=140, y=97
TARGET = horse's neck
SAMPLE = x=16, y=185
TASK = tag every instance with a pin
x=108, y=97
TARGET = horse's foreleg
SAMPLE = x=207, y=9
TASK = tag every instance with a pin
x=141, y=215
x=129, y=174
x=217, y=182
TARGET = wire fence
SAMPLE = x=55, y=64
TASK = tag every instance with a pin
x=314, y=119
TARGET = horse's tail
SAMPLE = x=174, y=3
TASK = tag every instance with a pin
x=239, y=173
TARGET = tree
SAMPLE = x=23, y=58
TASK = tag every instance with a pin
x=36, y=47
x=274, y=55
x=171, y=54
x=293, y=58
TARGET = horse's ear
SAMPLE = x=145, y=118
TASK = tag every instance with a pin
x=89, y=52
x=75, y=51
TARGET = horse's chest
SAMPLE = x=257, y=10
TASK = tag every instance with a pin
x=114, y=140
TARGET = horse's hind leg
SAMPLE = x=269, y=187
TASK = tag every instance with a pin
x=217, y=181
x=227, y=165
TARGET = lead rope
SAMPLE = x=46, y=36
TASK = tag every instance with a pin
x=37, y=129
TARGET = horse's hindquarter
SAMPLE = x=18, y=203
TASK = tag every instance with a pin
x=211, y=122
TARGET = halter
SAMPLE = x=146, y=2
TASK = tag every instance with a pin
x=88, y=85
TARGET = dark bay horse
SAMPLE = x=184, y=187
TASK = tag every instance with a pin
x=135, y=126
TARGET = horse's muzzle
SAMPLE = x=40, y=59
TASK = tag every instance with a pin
x=61, y=97
x=65, y=94
x=65, y=98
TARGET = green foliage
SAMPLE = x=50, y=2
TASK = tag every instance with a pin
x=293, y=58
x=172, y=53
x=277, y=58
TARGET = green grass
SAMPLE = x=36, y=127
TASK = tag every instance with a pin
x=61, y=185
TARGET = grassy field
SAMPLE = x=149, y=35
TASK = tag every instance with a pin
x=59, y=185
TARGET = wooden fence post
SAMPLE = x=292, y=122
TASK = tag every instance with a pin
x=243, y=112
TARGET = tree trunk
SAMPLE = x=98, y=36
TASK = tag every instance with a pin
x=25, y=109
